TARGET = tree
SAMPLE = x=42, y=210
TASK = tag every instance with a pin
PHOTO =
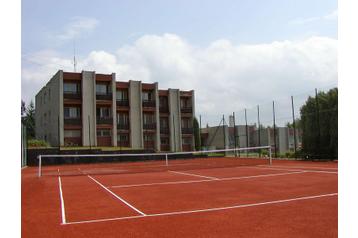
x=196, y=134
x=29, y=120
x=319, y=123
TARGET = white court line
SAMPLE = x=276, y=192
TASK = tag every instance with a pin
x=196, y=175
x=298, y=170
x=207, y=210
x=118, y=197
x=298, y=167
x=204, y=180
x=63, y=214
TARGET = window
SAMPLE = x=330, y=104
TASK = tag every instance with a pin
x=187, y=141
x=185, y=103
x=123, y=137
x=122, y=95
x=72, y=88
x=148, y=137
x=122, y=118
x=164, y=141
x=103, y=132
x=147, y=96
x=103, y=112
x=163, y=102
x=72, y=133
x=102, y=89
x=148, y=118
x=164, y=122
x=71, y=112
x=186, y=123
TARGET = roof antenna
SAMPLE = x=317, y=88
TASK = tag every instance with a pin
x=74, y=55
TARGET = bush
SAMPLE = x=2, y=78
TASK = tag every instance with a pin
x=37, y=143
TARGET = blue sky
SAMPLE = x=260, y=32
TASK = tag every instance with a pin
x=233, y=46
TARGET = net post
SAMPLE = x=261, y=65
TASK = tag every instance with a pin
x=270, y=156
x=166, y=159
x=40, y=166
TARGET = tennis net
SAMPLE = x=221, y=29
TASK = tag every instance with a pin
x=92, y=164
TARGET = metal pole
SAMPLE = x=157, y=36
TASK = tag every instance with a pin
x=259, y=127
x=318, y=146
x=294, y=127
x=40, y=166
x=200, y=132
x=224, y=132
x=166, y=159
x=247, y=134
x=233, y=115
x=58, y=131
x=274, y=127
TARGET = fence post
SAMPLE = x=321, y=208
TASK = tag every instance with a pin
x=274, y=127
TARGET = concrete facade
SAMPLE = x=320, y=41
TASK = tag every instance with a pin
x=90, y=109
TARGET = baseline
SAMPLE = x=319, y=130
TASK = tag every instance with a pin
x=209, y=209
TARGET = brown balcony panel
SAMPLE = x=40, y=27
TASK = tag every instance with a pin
x=122, y=103
x=149, y=126
x=73, y=121
x=187, y=130
x=104, y=96
x=186, y=147
x=104, y=120
x=186, y=110
x=148, y=103
x=123, y=143
x=73, y=141
x=123, y=126
x=104, y=141
x=149, y=144
x=164, y=147
x=163, y=109
x=72, y=95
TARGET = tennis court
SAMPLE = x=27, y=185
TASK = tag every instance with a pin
x=285, y=199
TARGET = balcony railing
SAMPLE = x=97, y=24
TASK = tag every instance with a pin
x=107, y=96
x=187, y=130
x=164, y=147
x=72, y=95
x=123, y=103
x=186, y=109
x=150, y=126
x=164, y=130
x=104, y=120
x=123, y=126
x=73, y=121
x=147, y=103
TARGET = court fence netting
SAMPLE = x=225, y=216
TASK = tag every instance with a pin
x=98, y=164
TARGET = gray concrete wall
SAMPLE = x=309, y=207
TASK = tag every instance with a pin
x=193, y=116
x=282, y=144
x=89, y=109
x=218, y=137
x=48, y=102
x=135, y=114
x=175, y=138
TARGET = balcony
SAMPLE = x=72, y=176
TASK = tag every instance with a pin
x=164, y=147
x=123, y=126
x=151, y=126
x=164, y=130
x=72, y=95
x=123, y=143
x=107, y=96
x=123, y=103
x=73, y=121
x=148, y=144
x=186, y=109
x=187, y=130
x=104, y=120
x=147, y=103
x=163, y=109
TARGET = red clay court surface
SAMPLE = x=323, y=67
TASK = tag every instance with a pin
x=286, y=199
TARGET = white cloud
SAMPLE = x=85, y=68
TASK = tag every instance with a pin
x=78, y=27
x=300, y=21
x=226, y=77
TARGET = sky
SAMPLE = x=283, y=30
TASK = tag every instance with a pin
x=235, y=54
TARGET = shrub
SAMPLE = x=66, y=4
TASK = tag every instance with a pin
x=37, y=143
